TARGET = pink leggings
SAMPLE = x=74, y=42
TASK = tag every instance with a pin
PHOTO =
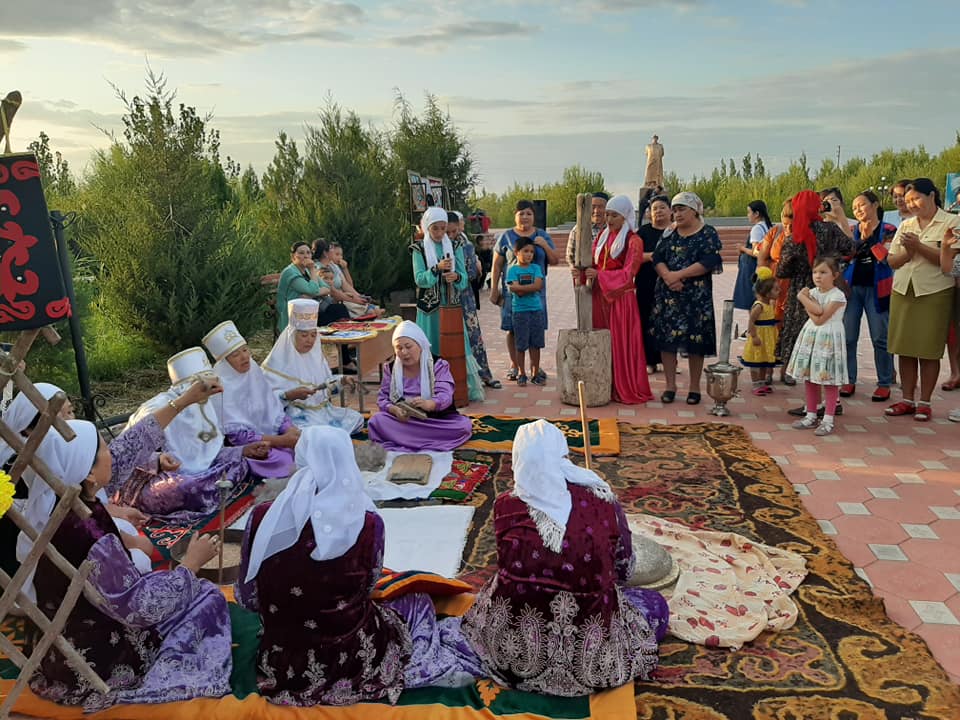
x=831, y=395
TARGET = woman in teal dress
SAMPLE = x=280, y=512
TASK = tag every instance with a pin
x=301, y=279
x=438, y=265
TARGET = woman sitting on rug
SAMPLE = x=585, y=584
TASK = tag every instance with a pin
x=555, y=619
x=157, y=638
x=297, y=369
x=427, y=385
x=308, y=563
x=22, y=417
x=250, y=409
x=194, y=454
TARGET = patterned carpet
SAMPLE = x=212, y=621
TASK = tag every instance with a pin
x=844, y=658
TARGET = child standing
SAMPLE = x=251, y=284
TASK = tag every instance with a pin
x=524, y=281
x=820, y=354
x=760, y=352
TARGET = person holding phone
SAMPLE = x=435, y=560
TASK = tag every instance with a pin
x=922, y=303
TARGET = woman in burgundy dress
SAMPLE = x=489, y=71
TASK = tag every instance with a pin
x=309, y=561
x=555, y=619
x=160, y=637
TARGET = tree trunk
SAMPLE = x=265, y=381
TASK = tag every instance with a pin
x=584, y=356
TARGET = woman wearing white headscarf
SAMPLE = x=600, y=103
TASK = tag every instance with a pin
x=297, y=369
x=159, y=637
x=425, y=384
x=617, y=256
x=193, y=456
x=250, y=411
x=554, y=619
x=438, y=263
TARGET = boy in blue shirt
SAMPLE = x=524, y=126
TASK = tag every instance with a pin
x=524, y=281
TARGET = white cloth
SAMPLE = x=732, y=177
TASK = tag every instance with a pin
x=414, y=332
x=621, y=205
x=428, y=539
x=326, y=490
x=194, y=436
x=379, y=488
x=20, y=414
x=541, y=471
x=690, y=200
x=248, y=399
x=430, y=217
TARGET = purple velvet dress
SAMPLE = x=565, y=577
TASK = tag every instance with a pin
x=444, y=430
x=162, y=637
x=559, y=624
x=168, y=496
x=278, y=464
x=324, y=642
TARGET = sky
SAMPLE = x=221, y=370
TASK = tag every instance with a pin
x=535, y=86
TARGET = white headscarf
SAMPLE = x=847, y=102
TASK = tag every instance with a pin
x=71, y=462
x=20, y=414
x=431, y=216
x=541, y=471
x=411, y=330
x=623, y=206
x=248, y=398
x=286, y=369
x=327, y=489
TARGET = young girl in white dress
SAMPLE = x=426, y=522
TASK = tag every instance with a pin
x=820, y=353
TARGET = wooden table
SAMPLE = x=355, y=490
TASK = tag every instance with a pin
x=373, y=349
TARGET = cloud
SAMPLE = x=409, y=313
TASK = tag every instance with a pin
x=442, y=36
x=10, y=46
x=182, y=28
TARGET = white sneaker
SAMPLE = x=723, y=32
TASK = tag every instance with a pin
x=954, y=415
x=824, y=429
x=805, y=424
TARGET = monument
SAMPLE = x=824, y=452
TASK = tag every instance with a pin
x=653, y=175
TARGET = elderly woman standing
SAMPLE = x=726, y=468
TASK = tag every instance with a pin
x=157, y=637
x=427, y=385
x=811, y=238
x=922, y=302
x=683, y=318
x=650, y=234
x=617, y=256
x=554, y=618
x=870, y=280
x=438, y=269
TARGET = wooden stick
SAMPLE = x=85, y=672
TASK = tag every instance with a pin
x=581, y=394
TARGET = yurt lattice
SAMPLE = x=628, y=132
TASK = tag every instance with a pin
x=68, y=501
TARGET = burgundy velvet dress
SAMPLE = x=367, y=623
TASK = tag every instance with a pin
x=558, y=623
x=324, y=642
x=162, y=637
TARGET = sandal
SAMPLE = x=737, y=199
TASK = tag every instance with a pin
x=521, y=380
x=789, y=380
x=761, y=391
x=693, y=398
x=950, y=385
x=901, y=408
x=491, y=383
x=512, y=374
x=923, y=413
x=668, y=396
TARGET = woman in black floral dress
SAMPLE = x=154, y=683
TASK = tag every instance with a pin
x=683, y=318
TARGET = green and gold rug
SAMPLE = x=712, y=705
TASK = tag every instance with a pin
x=844, y=659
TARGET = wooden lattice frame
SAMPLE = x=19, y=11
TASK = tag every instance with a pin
x=68, y=501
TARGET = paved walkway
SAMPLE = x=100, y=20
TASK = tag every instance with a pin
x=887, y=490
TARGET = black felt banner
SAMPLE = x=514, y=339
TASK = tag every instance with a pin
x=31, y=287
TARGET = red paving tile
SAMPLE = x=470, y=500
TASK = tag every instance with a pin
x=862, y=426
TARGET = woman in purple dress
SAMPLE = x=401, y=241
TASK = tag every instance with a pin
x=308, y=563
x=156, y=638
x=185, y=489
x=555, y=619
x=250, y=410
x=425, y=384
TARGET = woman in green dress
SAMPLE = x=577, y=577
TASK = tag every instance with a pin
x=438, y=267
x=301, y=279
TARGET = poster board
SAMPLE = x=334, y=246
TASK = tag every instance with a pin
x=951, y=196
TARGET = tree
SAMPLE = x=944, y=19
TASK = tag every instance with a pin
x=431, y=144
x=759, y=170
x=58, y=182
x=157, y=215
x=747, y=167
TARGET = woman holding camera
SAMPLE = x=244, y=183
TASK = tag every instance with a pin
x=922, y=303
